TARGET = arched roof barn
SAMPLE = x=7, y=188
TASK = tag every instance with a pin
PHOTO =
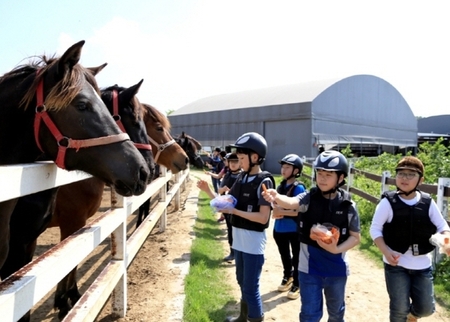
x=361, y=110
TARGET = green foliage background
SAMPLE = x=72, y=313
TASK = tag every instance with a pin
x=435, y=158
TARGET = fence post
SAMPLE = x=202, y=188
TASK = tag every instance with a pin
x=350, y=176
x=118, y=244
x=177, y=194
x=384, y=185
x=162, y=198
x=442, y=201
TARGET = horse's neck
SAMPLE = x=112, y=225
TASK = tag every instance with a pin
x=17, y=143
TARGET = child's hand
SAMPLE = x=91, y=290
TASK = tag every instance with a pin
x=223, y=190
x=392, y=257
x=276, y=214
x=330, y=245
x=229, y=211
x=269, y=195
x=202, y=185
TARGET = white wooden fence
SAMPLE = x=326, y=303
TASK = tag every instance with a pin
x=24, y=289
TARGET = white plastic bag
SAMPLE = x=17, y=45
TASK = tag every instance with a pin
x=442, y=242
x=223, y=202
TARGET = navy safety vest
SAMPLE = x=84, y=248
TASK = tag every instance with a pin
x=247, y=200
x=410, y=226
x=229, y=179
x=335, y=212
x=282, y=190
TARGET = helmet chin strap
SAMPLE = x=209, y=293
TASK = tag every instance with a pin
x=333, y=190
x=401, y=192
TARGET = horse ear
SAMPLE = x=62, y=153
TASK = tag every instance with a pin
x=70, y=58
x=96, y=70
x=183, y=135
x=130, y=92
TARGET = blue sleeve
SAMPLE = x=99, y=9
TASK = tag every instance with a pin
x=298, y=190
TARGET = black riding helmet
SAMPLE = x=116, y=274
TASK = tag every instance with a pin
x=252, y=142
x=295, y=161
x=332, y=161
x=231, y=156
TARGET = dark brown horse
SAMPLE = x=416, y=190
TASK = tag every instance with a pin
x=52, y=106
x=70, y=215
x=191, y=146
x=74, y=202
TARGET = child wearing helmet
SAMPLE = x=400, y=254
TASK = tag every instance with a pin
x=215, y=164
x=231, y=174
x=249, y=220
x=227, y=182
x=285, y=230
x=223, y=172
x=323, y=264
x=402, y=225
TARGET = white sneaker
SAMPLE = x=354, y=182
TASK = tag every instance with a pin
x=294, y=293
x=286, y=284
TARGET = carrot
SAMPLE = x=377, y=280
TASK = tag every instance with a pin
x=264, y=187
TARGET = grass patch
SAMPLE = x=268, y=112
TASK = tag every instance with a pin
x=208, y=291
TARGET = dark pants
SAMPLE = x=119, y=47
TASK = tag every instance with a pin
x=287, y=242
x=248, y=273
x=409, y=290
x=229, y=229
x=215, y=184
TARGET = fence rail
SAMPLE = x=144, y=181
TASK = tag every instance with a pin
x=441, y=190
x=25, y=288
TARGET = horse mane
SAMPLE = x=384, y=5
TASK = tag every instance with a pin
x=138, y=109
x=63, y=92
x=156, y=115
x=194, y=141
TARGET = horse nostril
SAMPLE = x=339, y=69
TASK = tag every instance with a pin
x=144, y=174
x=186, y=160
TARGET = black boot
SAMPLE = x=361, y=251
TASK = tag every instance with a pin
x=242, y=315
x=230, y=257
x=256, y=319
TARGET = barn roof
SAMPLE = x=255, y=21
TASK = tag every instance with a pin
x=286, y=94
x=434, y=124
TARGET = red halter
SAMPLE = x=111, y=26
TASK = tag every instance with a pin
x=64, y=142
x=117, y=117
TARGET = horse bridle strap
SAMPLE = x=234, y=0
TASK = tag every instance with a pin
x=118, y=119
x=161, y=147
x=64, y=142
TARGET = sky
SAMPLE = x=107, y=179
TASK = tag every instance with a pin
x=186, y=50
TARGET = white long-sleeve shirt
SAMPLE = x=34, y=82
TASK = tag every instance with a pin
x=384, y=214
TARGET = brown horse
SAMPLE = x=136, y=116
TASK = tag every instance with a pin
x=166, y=151
x=71, y=215
x=42, y=107
x=191, y=146
x=125, y=108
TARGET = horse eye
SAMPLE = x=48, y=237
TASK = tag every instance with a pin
x=160, y=129
x=82, y=106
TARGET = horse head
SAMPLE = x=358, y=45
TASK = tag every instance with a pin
x=127, y=111
x=72, y=125
x=191, y=146
x=168, y=153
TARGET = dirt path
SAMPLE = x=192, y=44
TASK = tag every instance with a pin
x=155, y=280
